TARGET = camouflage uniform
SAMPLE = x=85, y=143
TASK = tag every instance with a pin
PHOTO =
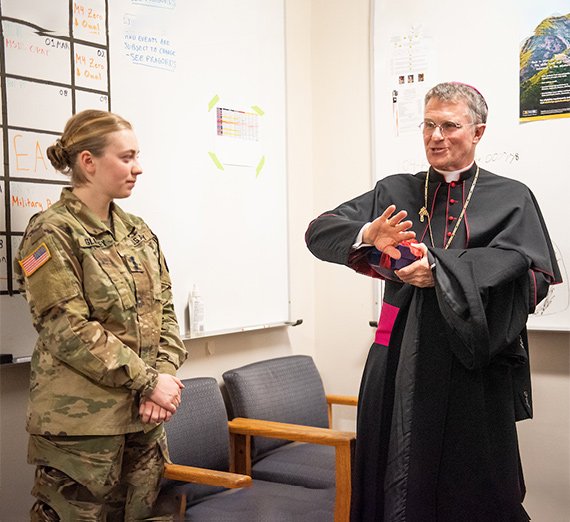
x=100, y=478
x=101, y=302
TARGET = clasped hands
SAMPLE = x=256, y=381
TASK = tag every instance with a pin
x=163, y=401
x=386, y=232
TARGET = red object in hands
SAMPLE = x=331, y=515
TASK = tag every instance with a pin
x=409, y=253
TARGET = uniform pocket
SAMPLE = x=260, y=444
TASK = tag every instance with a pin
x=142, y=262
x=118, y=279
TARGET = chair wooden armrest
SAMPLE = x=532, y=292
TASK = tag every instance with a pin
x=241, y=431
x=210, y=477
x=344, y=400
x=206, y=476
x=293, y=432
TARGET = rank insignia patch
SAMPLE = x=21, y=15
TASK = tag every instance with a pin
x=36, y=259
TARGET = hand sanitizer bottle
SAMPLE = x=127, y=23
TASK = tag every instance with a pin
x=196, y=313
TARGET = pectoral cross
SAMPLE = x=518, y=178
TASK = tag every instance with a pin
x=423, y=213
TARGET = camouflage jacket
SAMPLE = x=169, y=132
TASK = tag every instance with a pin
x=101, y=302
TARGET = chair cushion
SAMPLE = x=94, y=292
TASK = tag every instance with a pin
x=266, y=502
x=300, y=464
x=285, y=389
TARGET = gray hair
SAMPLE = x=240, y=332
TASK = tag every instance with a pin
x=454, y=91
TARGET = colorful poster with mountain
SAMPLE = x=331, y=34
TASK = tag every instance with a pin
x=545, y=71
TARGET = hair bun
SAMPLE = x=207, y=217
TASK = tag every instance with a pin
x=58, y=156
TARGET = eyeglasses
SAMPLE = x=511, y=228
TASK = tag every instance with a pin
x=447, y=128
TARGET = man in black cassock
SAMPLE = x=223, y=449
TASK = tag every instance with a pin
x=448, y=374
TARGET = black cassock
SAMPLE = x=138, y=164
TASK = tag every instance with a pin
x=448, y=375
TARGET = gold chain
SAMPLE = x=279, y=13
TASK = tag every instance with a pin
x=424, y=212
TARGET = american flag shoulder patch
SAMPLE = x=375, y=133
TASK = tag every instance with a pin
x=37, y=258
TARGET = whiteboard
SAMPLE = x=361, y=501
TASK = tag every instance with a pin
x=480, y=48
x=203, y=84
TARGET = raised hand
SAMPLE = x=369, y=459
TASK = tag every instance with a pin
x=387, y=231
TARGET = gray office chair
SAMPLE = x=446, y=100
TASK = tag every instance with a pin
x=289, y=390
x=198, y=436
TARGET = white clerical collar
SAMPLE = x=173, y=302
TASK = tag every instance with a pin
x=453, y=175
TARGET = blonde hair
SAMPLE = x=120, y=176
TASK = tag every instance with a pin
x=86, y=131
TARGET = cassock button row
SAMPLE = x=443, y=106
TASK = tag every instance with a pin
x=453, y=183
x=449, y=234
x=452, y=201
x=451, y=218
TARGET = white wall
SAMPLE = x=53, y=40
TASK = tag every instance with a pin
x=341, y=169
x=329, y=160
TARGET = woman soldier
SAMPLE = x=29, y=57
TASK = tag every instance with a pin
x=103, y=368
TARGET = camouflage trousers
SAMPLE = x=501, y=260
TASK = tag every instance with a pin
x=97, y=479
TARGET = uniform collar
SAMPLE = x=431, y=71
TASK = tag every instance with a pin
x=92, y=224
